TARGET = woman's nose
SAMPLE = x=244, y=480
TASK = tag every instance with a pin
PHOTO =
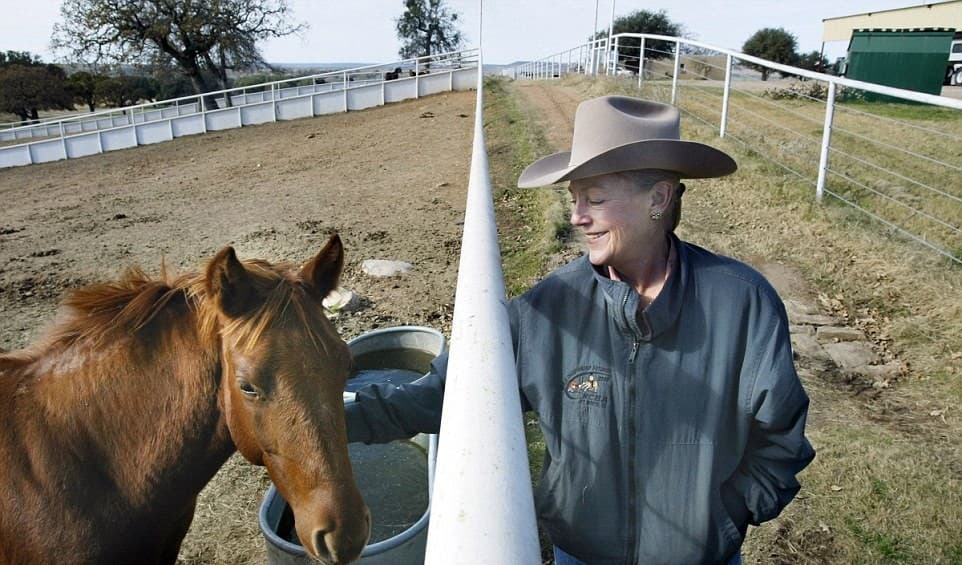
x=578, y=215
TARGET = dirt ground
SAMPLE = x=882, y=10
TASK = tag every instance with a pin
x=391, y=181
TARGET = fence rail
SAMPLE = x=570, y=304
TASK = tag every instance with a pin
x=482, y=507
x=313, y=95
x=885, y=159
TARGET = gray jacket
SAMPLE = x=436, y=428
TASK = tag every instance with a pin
x=667, y=431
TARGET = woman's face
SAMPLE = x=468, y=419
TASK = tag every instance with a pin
x=613, y=216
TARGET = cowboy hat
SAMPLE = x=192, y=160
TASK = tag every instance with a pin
x=617, y=133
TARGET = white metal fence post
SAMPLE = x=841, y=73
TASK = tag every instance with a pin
x=674, y=79
x=641, y=62
x=63, y=140
x=826, y=141
x=592, y=63
x=728, y=87
x=273, y=101
x=614, y=63
x=345, y=90
x=417, y=79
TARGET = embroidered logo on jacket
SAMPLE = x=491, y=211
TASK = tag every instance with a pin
x=590, y=386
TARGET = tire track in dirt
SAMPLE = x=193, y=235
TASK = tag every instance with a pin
x=555, y=107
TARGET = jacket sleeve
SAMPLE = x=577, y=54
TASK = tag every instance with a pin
x=777, y=449
x=386, y=412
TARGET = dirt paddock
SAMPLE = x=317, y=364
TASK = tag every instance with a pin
x=391, y=181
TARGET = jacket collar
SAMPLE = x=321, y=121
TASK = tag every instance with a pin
x=662, y=314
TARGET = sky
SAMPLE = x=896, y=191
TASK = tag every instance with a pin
x=362, y=31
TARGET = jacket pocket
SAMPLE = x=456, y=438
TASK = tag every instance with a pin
x=725, y=518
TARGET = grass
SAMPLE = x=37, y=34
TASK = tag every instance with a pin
x=532, y=222
x=886, y=485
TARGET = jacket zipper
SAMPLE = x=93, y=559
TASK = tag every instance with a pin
x=632, y=550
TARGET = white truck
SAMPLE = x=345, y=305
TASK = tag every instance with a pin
x=953, y=68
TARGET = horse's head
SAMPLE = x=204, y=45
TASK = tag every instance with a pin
x=284, y=373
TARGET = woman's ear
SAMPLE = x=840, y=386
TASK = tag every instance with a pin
x=661, y=194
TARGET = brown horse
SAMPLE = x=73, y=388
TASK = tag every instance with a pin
x=112, y=425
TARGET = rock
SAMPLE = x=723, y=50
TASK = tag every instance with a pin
x=879, y=373
x=796, y=307
x=803, y=330
x=340, y=300
x=813, y=319
x=840, y=333
x=384, y=268
x=851, y=354
x=808, y=347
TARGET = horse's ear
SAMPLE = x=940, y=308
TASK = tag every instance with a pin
x=229, y=284
x=322, y=273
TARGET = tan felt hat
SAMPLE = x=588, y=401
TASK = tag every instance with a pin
x=618, y=133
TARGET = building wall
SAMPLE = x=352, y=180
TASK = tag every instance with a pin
x=941, y=15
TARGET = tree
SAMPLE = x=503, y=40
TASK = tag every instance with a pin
x=813, y=61
x=19, y=58
x=126, y=90
x=772, y=44
x=427, y=27
x=204, y=38
x=25, y=90
x=643, y=21
x=82, y=85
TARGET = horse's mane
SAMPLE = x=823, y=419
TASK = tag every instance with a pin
x=99, y=312
x=128, y=306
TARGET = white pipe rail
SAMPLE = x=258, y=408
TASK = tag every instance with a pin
x=447, y=61
x=344, y=90
x=482, y=507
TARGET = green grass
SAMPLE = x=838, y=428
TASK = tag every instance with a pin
x=532, y=222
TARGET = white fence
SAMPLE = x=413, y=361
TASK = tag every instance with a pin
x=823, y=129
x=304, y=97
x=482, y=508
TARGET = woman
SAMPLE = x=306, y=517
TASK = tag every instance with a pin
x=661, y=373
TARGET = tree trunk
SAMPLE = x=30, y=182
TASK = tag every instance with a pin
x=209, y=102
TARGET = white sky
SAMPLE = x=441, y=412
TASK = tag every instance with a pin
x=363, y=30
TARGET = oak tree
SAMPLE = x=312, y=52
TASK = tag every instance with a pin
x=204, y=38
x=427, y=27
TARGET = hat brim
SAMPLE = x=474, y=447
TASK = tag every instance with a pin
x=690, y=159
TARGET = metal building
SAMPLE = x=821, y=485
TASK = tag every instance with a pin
x=886, y=46
x=913, y=59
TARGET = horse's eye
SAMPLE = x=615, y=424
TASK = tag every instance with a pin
x=248, y=389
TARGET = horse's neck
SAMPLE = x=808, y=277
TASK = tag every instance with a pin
x=147, y=412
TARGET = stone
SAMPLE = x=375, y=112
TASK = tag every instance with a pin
x=801, y=329
x=796, y=307
x=880, y=373
x=840, y=333
x=851, y=354
x=384, y=268
x=806, y=346
x=813, y=319
x=341, y=300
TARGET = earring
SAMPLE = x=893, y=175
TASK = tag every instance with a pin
x=655, y=216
